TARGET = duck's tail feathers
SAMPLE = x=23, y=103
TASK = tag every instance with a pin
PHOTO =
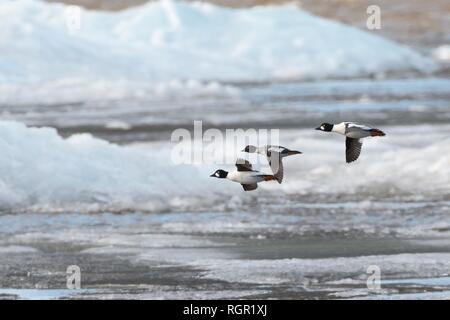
x=269, y=177
x=376, y=132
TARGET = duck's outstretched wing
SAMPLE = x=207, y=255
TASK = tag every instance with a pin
x=276, y=164
x=352, y=149
x=249, y=187
x=243, y=165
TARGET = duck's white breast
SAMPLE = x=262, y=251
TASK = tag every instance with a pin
x=339, y=128
x=244, y=177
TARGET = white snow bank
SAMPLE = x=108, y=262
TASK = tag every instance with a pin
x=39, y=170
x=161, y=41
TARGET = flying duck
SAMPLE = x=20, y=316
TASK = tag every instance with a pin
x=353, y=132
x=245, y=175
x=274, y=155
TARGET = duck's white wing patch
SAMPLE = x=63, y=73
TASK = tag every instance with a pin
x=249, y=187
x=356, y=125
x=276, y=164
x=276, y=149
x=352, y=149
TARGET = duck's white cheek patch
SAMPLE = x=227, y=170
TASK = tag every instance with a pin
x=217, y=175
x=322, y=127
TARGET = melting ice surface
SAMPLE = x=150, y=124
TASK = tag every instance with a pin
x=316, y=231
x=125, y=53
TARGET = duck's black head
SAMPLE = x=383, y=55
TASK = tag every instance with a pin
x=250, y=149
x=219, y=174
x=325, y=127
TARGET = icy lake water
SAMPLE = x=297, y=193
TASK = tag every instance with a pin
x=87, y=177
x=143, y=228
